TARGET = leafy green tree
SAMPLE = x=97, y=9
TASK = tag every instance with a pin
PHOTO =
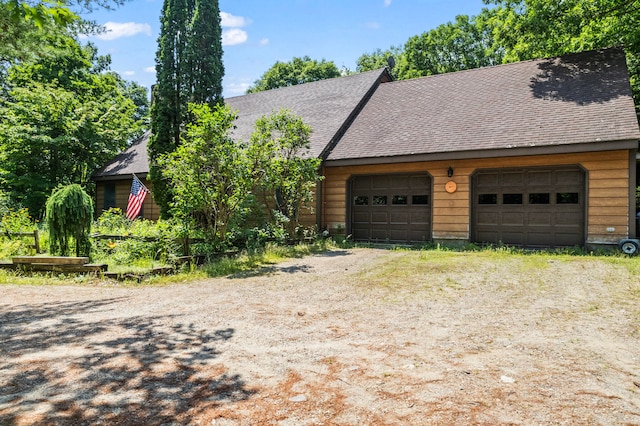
x=209, y=171
x=297, y=71
x=69, y=216
x=26, y=25
x=189, y=69
x=538, y=28
x=280, y=155
x=463, y=44
x=139, y=96
x=62, y=119
x=379, y=59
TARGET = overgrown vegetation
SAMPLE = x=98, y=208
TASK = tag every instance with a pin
x=136, y=246
x=241, y=194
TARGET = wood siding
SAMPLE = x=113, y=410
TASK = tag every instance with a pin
x=608, y=200
x=150, y=209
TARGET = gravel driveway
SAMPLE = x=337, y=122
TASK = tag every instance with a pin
x=330, y=340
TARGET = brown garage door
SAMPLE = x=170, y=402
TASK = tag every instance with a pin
x=529, y=207
x=393, y=208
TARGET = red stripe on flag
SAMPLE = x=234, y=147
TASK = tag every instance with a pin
x=136, y=197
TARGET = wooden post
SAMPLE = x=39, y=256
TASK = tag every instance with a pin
x=36, y=238
x=185, y=246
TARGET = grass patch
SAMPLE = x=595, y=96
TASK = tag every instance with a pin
x=243, y=262
x=9, y=277
x=411, y=268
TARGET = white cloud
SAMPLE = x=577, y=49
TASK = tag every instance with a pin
x=116, y=30
x=264, y=42
x=228, y=20
x=128, y=73
x=237, y=88
x=234, y=36
x=150, y=69
x=373, y=25
x=387, y=3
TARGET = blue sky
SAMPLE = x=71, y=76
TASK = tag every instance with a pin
x=258, y=33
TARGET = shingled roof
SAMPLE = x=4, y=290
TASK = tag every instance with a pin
x=514, y=109
x=567, y=101
x=132, y=160
x=328, y=106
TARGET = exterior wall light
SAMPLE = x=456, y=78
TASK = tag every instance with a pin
x=450, y=171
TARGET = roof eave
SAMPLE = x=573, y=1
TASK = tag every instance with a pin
x=626, y=144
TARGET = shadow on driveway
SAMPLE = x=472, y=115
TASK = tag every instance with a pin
x=58, y=367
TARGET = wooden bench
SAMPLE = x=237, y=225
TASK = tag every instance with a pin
x=61, y=264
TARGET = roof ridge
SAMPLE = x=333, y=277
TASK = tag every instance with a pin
x=307, y=84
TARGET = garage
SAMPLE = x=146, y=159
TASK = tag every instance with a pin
x=391, y=208
x=533, y=207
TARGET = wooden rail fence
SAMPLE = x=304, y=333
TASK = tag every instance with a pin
x=34, y=234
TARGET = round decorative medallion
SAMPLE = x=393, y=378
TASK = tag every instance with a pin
x=450, y=187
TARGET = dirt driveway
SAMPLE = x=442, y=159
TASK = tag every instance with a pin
x=349, y=337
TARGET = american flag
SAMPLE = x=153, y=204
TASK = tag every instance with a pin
x=136, y=197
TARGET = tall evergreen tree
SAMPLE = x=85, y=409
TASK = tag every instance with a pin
x=205, y=54
x=189, y=69
x=169, y=103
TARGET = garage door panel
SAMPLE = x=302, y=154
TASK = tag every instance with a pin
x=360, y=233
x=569, y=177
x=379, y=182
x=397, y=217
x=401, y=234
x=540, y=178
x=363, y=183
x=418, y=235
x=512, y=179
x=540, y=219
x=489, y=179
x=420, y=217
x=488, y=218
x=380, y=217
x=361, y=217
x=392, y=208
x=529, y=207
x=511, y=237
x=568, y=239
x=567, y=218
x=420, y=182
x=380, y=234
x=513, y=218
x=488, y=236
x=538, y=239
x=400, y=182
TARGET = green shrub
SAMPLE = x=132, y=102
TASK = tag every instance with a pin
x=144, y=240
x=16, y=221
x=69, y=213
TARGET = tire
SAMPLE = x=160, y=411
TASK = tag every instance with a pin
x=629, y=247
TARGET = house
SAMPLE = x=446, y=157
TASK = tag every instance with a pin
x=540, y=153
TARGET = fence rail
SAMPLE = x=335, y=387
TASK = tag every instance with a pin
x=34, y=235
x=184, y=242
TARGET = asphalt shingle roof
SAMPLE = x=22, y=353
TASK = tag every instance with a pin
x=570, y=100
x=326, y=105
x=132, y=160
x=573, y=99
